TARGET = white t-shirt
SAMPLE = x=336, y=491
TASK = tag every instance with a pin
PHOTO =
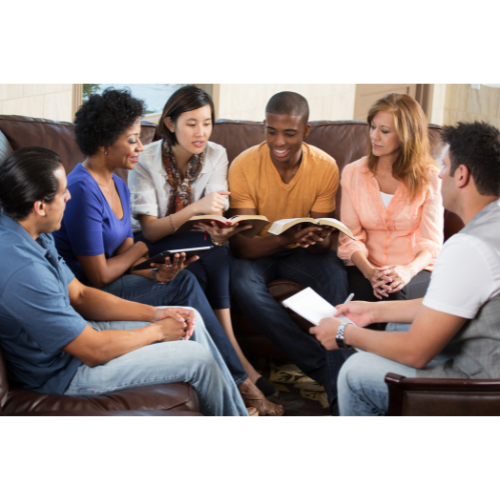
x=465, y=276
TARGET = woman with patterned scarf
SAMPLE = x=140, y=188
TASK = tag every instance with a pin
x=180, y=176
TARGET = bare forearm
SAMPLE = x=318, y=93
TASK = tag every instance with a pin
x=257, y=247
x=98, y=347
x=115, y=343
x=147, y=273
x=101, y=271
x=421, y=261
x=94, y=304
x=396, y=346
x=396, y=311
x=360, y=260
x=155, y=229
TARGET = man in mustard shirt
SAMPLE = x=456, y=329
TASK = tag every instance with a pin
x=285, y=178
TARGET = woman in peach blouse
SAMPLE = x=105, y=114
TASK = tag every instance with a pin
x=391, y=201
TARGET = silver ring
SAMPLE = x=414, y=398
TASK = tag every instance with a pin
x=168, y=265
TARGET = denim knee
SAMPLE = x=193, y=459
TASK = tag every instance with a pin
x=200, y=357
x=244, y=276
x=350, y=370
x=354, y=374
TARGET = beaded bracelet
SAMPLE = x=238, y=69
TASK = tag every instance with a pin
x=171, y=223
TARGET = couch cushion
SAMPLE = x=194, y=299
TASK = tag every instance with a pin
x=21, y=132
x=179, y=396
x=56, y=136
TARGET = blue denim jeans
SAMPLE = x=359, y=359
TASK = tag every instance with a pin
x=183, y=290
x=211, y=270
x=325, y=274
x=197, y=362
x=361, y=387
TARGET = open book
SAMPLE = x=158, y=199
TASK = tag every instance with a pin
x=280, y=226
x=311, y=306
x=258, y=222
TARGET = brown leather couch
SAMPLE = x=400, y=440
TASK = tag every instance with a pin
x=346, y=141
x=442, y=397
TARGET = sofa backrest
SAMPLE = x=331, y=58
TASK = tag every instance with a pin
x=346, y=141
x=20, y=132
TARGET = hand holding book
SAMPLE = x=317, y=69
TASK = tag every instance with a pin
x=280, y=226
x=256, y=223
x=220, y=233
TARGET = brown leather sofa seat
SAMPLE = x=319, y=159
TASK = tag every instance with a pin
x=174, y=399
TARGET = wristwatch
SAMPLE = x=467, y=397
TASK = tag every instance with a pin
x=340, y=337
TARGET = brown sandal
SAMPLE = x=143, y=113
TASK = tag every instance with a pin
x=264, y=406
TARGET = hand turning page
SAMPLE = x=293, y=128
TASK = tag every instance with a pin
x=312, y=306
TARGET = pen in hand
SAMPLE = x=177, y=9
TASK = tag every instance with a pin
x=348, y=299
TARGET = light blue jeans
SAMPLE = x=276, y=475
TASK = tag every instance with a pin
x=361, y=387
x=197, y=362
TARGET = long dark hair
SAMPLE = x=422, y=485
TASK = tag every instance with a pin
x=185, y=99
x=26, y=176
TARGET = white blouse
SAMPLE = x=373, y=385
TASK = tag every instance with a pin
x=150, y=189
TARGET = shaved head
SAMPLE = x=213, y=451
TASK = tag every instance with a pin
x=288, y=103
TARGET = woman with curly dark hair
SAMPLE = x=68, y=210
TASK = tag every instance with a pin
x=96, y=237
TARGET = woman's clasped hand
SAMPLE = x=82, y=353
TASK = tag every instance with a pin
x=389, y=279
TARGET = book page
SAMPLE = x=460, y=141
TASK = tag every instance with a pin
x=312, y=307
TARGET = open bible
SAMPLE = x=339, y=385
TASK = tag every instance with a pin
x=258, y=222
x=280, y=226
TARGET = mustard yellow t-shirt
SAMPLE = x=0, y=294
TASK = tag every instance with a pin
x=255, y=183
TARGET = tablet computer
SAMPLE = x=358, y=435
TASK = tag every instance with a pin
x=160, y=258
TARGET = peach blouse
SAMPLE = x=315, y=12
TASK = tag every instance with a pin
x=394, y=234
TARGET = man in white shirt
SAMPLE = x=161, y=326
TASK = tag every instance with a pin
x=455, y=328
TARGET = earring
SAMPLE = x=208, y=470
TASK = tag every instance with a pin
x=105, y=151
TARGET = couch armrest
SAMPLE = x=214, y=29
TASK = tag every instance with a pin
x=442, y=397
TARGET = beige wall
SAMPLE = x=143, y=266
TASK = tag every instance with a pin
x=463, y=103
x=248, y=101
x=51, y=101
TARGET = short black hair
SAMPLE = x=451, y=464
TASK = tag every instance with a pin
x=104, y=117
x=477, y=146
x=27, y=176
x=288, y=103
x=187, y=98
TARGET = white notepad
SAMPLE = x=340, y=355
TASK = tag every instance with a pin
x=312, y=307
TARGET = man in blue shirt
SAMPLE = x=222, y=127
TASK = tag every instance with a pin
x=48, y=346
